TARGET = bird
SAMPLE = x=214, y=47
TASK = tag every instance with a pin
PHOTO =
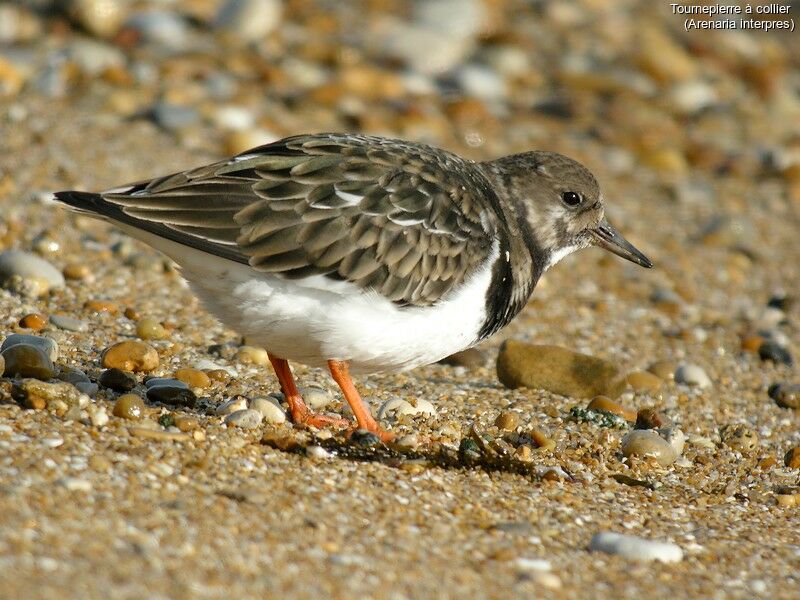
x=361, y=254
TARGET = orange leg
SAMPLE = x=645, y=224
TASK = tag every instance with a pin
x=301, y=414
x=340, y=371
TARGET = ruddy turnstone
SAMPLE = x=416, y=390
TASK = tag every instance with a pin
x=363, y=254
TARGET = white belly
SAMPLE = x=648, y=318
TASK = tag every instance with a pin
x=316, y=319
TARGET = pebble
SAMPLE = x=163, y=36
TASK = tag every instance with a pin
x=245, y=419
x=172, y=392
x=542, y=440
x=635, y=548
x=246, y=21
x=92, y=58
x=18, y=25
x=129, y=406
x=792, y=458
x=174, y=116
x=316, y=397
x=693, y=376
x=28, y=274
x=557, y=370
x=317, y=452
x=269, y=408
x=230, y=406
x=608, y=405
x=650, y=418
x=130, y=355
x=52, y=442
x=186, y=423
x=162, y=28
x=663, y=369
x=507, y=420
x=45, y=344
x=149, y=328
x=101, y=306
x=57, y=397
x=2, y=365
x=102, y=18
x=739, y=437
x=118, y=380
x=194, y=378
x=642, y=381
x=33, y=321
x=97, y=415
x=69, y=323
x=252, y=355
x=409, y=441
x=772, y=351
x=76, y=484
x=481, y=82
x=26, y=360
x=158, y=434
x=786, y=395
x=647, y=442
x=471, y=358
x=395, y=407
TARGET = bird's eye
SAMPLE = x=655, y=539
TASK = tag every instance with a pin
x=572, y=199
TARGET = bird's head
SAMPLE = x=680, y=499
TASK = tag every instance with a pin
x=563, y=205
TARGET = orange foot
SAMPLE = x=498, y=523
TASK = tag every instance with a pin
x=302, y=416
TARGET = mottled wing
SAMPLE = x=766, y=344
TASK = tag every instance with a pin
x=400, y=218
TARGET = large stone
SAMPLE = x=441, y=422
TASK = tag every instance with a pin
x=557, y=370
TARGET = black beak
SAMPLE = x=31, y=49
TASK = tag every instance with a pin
x=609, y=238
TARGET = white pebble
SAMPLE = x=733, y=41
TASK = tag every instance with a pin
x=692, y=375
x=97, y=415
x=269, y=408
x=231, y=406
x=52, y=442
x=391, y=409
x=316, y=397
x=532, y=564
x=249, y=20
x=635, y=548
x=75, y=484
x=245, y=419
x=317, y=452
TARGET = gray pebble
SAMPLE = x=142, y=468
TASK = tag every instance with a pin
x=26, y=265
x=172, y=395
x=164, y=381
x=47, y=345
x=69, y=323
x=231, y=406
x=248, y=20
x=94, y=57
x=635, y=548
x=692, y=375
x=246, y=419
x=162, y=28
x=174, y=116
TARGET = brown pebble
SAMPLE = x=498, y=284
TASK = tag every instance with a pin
x=130, y=355
x=27, y=361
x=129, y=406
x=767, y=463
x=194, y=378
x=99, y=306
x=642, y=381
x=131, y=314
x=157, y=434
x=792, y=458
x=665, y=369
x=33, y=321
x=542, y=440
x=219, y=375
x=186, y=423
x=650, y=418
x=77, y=272
x=97, y=462
x=523, y=453
x=507, y=420
x=148, y=328
x=608, y=405
x=751, y=343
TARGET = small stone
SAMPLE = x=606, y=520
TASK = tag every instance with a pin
x=172, y=394
x=774, y=352
x=663, y=369
x=407, y=442
x=557, y=370
x=102, y=18
x=52, y=442
x=118, y=380
x=218, y=375
x=231, y=406
x=317, y=452
x=739, y=437
x=77, y=272
x=642, y=381
x=507, y=420
x=362, y=437
x=693, y=376
x=650, y=418
x=246, y=21
x=270, y=409
x=186, y=423
x=149, y=328
x=130, y=355
x=602, y=403
x=245, y=419
x=396, y=407
x=97, y=415
x=523, y=453
x=76, y=484
x=647, y=442
x=194, y=378
x=471, y=358
x=129, y=406
x=45, y=344
x=786, y=395
x=101, y=306
x=542, y=440
x=56, y=397
x=635, y=548
x=315, y=397
x=25, y=360
x=18, y=267
x=252, y=355
x=161, y=27
x=792, y=458
x=159, y=434
x=33, y=321
x=174, y=116
x=69, y=323
x=751, y=343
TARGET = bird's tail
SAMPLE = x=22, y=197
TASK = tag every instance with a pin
x=89, y=203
